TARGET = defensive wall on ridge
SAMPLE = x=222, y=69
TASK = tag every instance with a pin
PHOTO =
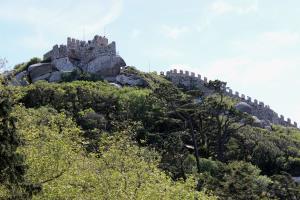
x=259, y=109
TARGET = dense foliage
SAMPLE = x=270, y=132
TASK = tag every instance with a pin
x=24, y=66
x=92, y=140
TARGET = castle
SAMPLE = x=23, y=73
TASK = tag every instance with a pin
x=258, y=108
x=96, y=56
x=82, y=52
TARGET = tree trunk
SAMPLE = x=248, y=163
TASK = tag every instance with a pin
x=220, y=151
x=220, y=144
x=195, y=145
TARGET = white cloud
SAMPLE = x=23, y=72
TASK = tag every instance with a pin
x=223, y=7
x=174, y=32
x=61, y=18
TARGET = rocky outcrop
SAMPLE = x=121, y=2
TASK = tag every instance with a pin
x=92, y=57
x=131, y=80
x=95, y=57
x=21, y=79
x=106, y=66
x=55, y=77
x=261, y=123
x=63, y=64
x=244, y=107
x=297, y=179
x=42, y=77
x=40, y=71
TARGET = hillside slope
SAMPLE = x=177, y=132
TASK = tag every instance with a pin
x=89, y=139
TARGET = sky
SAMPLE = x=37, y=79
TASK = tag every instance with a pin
x=253, y=45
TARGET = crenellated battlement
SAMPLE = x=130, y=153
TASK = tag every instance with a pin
x=186, y=74
x=83, y=50
x=98, y=41
x=260, y=110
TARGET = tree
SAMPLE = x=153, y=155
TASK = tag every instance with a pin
x=3, y=63
x=223, y=120
x=182, y=107
x=12, y=168
x=243, y=181
x=284, y=187
x=120, y=169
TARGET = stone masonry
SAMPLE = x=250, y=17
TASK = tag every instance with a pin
x=259, y=109
x=96, y=56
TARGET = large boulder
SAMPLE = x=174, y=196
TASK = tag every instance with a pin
x=244, y=107
x=38, y=71
x=42, y=77
x=21, y=79
x=106, y=66
x=21, y=75
x=131, y=80
x=55, y=77
x=63, y=64
x=297, y=179
x=261, y=123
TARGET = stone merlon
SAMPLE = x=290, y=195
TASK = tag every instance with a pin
x=260, y=110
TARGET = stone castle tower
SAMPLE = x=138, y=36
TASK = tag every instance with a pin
x=96, y=56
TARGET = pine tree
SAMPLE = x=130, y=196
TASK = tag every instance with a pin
x=12, y=168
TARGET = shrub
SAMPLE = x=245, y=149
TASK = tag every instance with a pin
x=24, y=66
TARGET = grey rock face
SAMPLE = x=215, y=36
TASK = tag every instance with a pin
x=21, y=75
x=116, y=85
x=96, y=57
x=21, y=79
x=106, y=66
x=131, y=80
x=39, y=70
x=297, y=179
x=257, y=122
x=261, y=123
x=63, y=64
x=55, y=77
x=42, y=77
x=244, y=107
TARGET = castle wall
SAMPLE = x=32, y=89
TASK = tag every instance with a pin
x=259, y=109
x=82, y=50
x=96, y=56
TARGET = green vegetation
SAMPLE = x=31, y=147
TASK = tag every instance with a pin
x=24, y=66
x=92, y=140
x=77, y=75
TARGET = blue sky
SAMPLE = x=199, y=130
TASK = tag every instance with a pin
x=253, y=45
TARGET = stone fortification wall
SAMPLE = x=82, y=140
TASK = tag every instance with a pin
x=95, y=56
x=259, y=109
x=82, y=50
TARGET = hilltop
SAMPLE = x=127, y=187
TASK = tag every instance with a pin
x=104, y=130
x=98, y=60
